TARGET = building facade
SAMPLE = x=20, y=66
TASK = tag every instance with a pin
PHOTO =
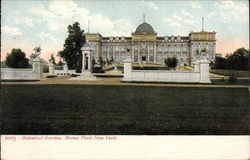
x=145, y=45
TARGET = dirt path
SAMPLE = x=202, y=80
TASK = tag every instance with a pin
x=115, y=81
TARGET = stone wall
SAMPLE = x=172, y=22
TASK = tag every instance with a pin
x=199, y=75
x=23, y=74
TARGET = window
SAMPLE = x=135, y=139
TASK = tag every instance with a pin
x=195, y=47
x=203, y=46
x=178, y=48
x=172, y=48
x=210, y=47
x=166, y=48
x=159, y=48
x=184, y=49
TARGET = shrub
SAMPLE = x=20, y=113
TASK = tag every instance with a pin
x=171, y=62
x=16, y=59
x=97, y=70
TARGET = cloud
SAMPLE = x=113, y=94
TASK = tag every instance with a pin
x=12, y=31
x=59, y=15
x=196, y=5
x=151, y=5
x=232, y=11
x=172, y=22
x=46, y=36
x=186, y=14
x=211, y=15
x=177, y=17
x=31, y=22
x=185, y=17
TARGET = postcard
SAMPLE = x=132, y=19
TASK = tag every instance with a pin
x=124, y=80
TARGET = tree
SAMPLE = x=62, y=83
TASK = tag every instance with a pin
x=16, y=59
x=72, y=47
x=93, y=62
x=101, y=62
x=171, y=62
x=220, y=63
x=239, y=60
x=52, y=59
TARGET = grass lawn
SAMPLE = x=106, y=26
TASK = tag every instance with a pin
x=123, y=110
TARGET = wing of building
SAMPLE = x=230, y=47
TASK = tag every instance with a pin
x=145, y=45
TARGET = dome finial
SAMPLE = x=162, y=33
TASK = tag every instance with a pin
x=144, y=17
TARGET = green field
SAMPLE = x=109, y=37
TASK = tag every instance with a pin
x=238, y=73
x=123, y=110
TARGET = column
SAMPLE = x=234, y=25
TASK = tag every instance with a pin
x=97, y=50
x=119, y=52
x=107, y=49
x=133, y=52
x=214, y=50
x=204, y=71
x=169, y=47
x=83, y=61
x=89, y=62
x=190, y=55
x=175, y=50
x=148, y=52
x=139, y=53
x=37, y=67
x=154, y=52
x=162, y=48
x=181, y=52
x=51, y=69
x=114, y=51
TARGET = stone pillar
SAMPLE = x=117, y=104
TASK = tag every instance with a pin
x=133, y=52
x=190, y=54
x=127, y=69
x=162, y=48
x=108, y=52
x=148, y=52
x=204, y=71
x=114, y=52
x=169, y=47
x=89, y=62
x=97, y=50
x=65, y=67
x=51, y=69
x=139, y=53
x=119, y=52
x=83, y=61
x=196, y=66
x=214, y=50
x=37, y=67
x=181, y=52
x=175, y=50
x=154, y=53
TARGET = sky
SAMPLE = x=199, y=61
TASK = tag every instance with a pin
x=26, y=24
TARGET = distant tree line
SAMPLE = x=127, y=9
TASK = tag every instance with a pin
x=239, y=60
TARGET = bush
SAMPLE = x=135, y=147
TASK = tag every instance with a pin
x=171, y=62
x=97, y=70
x=16, y=59
x=51, y=76
x=222, y=79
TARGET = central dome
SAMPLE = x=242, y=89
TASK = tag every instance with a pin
x=144, y=27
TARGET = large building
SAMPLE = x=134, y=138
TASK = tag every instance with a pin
x=145, y=45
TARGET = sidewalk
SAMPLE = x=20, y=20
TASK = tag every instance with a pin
x=116, y=81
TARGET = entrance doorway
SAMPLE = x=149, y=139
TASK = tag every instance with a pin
x=143, y=58
x=86, y=62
